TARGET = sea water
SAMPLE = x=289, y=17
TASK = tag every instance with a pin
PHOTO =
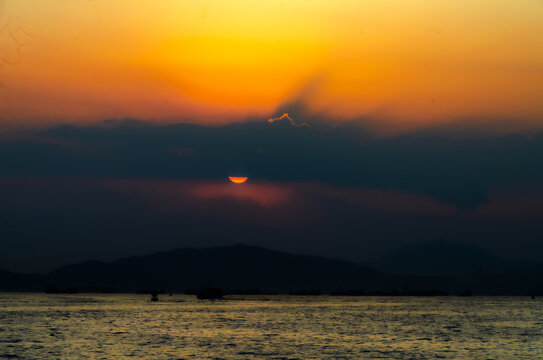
x=88, y=326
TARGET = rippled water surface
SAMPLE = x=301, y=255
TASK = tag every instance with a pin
x=83, y=326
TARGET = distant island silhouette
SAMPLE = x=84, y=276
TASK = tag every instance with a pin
x=465, y=262
x=242, y=269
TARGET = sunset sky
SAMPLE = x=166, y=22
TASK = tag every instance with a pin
x=408, y=121
x=396, y=64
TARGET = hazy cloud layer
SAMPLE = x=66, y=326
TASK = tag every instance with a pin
x=457, y=169
x=46, y=222
x=127, y=187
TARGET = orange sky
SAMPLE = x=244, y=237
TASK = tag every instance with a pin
x=401, y=63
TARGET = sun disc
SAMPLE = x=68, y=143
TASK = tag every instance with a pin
x=237, y=179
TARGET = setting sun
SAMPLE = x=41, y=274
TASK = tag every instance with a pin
x=237, y=179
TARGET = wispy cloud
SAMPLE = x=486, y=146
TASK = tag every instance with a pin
x=287, y=117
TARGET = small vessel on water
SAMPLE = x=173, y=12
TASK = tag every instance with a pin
x=209, y=293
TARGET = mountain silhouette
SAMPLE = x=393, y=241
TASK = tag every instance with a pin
x=10, y=281
x=234, y=267
x=464, y=262
x=250, y=269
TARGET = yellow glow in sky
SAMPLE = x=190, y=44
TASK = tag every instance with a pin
x=399, y=63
